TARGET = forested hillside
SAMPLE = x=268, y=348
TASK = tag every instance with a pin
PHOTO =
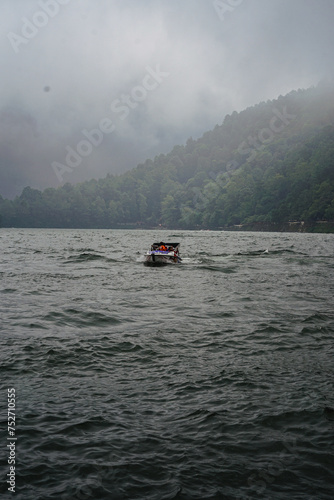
x=271, y=163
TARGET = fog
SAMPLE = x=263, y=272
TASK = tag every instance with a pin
x=94, y=87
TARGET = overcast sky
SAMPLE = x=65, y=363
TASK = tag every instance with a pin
x=96, y=86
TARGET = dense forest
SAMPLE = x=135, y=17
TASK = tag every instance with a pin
x=268, y=165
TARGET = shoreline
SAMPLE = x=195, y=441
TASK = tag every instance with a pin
x=320, y=227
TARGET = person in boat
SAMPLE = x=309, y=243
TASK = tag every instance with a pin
x=162, y=246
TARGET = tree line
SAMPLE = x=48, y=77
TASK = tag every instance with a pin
x=271, y=163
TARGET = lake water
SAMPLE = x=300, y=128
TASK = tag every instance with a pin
x=212, y=379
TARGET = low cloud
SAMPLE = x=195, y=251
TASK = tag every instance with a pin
x=83, y=56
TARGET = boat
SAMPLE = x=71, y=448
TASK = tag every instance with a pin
x=163, y=253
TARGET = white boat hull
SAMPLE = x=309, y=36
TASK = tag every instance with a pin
x=161, y=258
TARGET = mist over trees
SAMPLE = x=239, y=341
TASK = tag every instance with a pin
x=269, y=164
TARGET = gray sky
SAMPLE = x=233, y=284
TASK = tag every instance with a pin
x=96, y=86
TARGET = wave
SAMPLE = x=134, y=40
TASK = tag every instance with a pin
x=76, y=317
x=87, y=257
x=219, y=269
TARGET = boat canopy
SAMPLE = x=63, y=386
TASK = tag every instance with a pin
x=157, y=245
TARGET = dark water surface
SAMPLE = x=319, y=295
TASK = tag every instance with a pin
x=208, y=380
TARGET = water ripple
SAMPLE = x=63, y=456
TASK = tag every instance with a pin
x=208, y=380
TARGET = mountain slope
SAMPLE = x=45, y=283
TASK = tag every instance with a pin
x=270, y=164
